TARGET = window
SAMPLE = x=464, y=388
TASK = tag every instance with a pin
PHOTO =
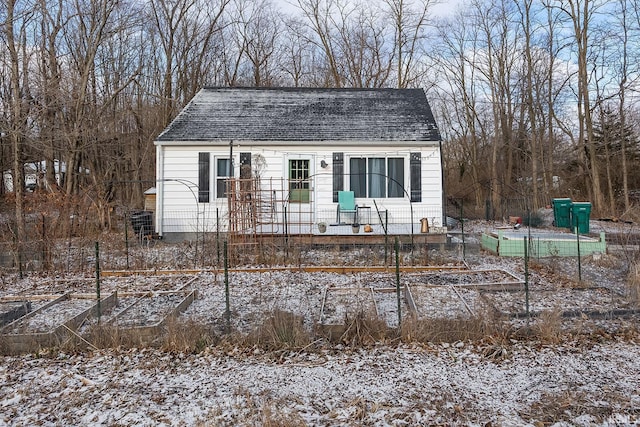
x=358, y=177
x=377, y=177
x=395, y=183
x=223, y=172
x=203, y=177
x=299, y=181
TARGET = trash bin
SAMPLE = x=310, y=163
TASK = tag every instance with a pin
x=580, y=214
x=562, y=213
x=142, y=223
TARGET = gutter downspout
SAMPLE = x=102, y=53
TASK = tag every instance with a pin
x=444, y=204
x=160, y=190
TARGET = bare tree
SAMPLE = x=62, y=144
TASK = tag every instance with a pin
x=499, y=40
x=460, y=107
x=259, y=29
x=410, y=19
x=625, y=23
x=296, y=60
x=16, y=23
x=319, y=15
x=582, y=14
x=185, y=29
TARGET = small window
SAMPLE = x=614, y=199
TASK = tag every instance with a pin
x=299, y=181
x=223, y=172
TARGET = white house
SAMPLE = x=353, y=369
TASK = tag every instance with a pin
x=34, y=175
x=273, y=160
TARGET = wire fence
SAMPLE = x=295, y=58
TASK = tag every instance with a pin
x=133, y=245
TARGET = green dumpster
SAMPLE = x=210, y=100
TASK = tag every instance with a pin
x=562, y=213
x=580, y=214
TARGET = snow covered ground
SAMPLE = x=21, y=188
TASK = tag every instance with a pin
x=407, y=385
x=587, y=374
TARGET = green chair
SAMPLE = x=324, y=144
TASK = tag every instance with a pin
x=347, y=205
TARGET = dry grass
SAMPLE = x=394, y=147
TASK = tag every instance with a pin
x=280, y=330
x=272, y=417
x=364, y=329
x=104, y=336
x=548, y=326
x=450, y=330
x=633, y=285
x=564, y=406
x=186, y=336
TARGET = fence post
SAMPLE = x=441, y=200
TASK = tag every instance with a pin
x=526, y=277
x=44, y=249
x=227, y=311
x=397, y=248
x=126, y=236
x=218, y=235
x=386, y=236
x=98, y=280
x=578, y=244
x=464, y=253
x=286, y=233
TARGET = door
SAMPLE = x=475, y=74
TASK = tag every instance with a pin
x=300, y=212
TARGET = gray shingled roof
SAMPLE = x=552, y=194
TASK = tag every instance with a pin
x=304, y=115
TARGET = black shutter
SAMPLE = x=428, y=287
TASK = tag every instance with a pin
x=204, y=176
x=338, y=175
x=245, y=165
x=415, y=172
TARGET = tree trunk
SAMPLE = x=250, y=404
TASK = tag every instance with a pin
x=17, y=124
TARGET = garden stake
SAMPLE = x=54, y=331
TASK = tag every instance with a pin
x=98, y=278
x=227, y=311
x=44, y=235
x=462, y=229
x=397, y=247
x=126, y=239
x=526, y=277
x=578, y=243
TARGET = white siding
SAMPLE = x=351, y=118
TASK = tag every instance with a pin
x=178, y=204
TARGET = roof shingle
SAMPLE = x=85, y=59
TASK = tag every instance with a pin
x=304, y=115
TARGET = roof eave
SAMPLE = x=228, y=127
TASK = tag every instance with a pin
x=332, y=143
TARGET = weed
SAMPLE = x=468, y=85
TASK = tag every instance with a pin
x=273, y=417
x=449, y=330
x=186, y=336
x=280, y=330
x=104, y=336
x=548, y=326
x=365, y=328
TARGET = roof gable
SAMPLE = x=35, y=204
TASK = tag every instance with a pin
x=304, y=115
